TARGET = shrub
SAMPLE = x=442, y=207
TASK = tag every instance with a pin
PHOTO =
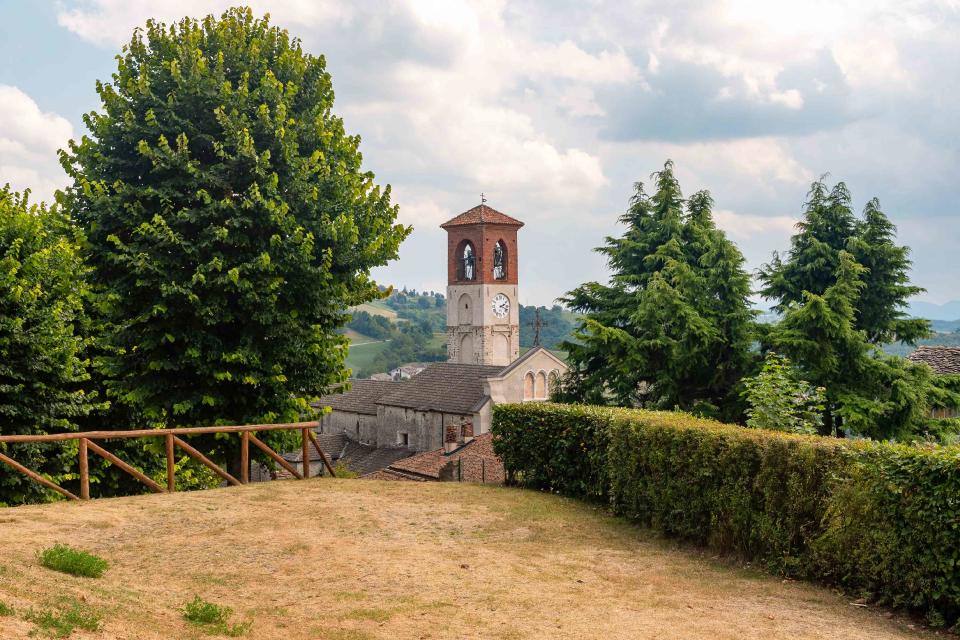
x=780, y=400
x=342, y=470
x=60, y=557
x=213, y=618
x=881, y=520
x=562, y=451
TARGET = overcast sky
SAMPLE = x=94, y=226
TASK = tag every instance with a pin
x=554, y=109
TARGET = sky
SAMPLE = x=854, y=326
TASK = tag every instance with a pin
x=553, y=109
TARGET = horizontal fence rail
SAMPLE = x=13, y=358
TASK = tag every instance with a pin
x=173, y=440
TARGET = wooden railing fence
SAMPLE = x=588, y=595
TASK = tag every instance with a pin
x=173, y=440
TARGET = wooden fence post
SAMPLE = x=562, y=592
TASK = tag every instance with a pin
x=199, y=457
x=171, y=469
x=84, y=471
x=245, y=457
x=305, y=448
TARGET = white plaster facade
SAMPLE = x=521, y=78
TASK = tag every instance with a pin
x=475, y=335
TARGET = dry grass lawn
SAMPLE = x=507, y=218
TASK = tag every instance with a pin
x=357, y=559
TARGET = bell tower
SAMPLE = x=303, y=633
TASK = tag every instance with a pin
x=483, y=314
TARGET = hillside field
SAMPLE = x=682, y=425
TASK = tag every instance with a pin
x=363, y=350
x=357, y=560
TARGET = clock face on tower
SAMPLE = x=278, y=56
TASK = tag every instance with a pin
x=500, y=305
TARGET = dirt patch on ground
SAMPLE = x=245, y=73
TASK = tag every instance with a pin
x=355, y=560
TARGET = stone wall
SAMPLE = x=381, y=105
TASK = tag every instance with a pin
x=358, y=426
x=424, y=429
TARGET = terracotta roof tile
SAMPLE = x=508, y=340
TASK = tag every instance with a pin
x=389, y=474
x=481, y=214
x=943, y=360
x=431, y=463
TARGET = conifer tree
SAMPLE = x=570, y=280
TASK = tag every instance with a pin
x=840, y=292
x=830, y=227
x=229, y=223
x=672, y=328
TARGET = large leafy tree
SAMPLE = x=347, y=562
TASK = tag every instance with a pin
x=43, y=354
x=840, y=292
x=229, y=223
x=673, y=327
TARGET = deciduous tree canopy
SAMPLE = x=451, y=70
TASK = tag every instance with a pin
x=229, y=222
x=43, y=354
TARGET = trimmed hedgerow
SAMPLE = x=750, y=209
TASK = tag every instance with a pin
x=880, y=520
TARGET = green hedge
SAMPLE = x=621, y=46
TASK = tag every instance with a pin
x=880, y=520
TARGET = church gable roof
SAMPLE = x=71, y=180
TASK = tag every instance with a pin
x=481, y=214
x=361, y=398
x=943, y=360
x=443, y=386
x=529, y=355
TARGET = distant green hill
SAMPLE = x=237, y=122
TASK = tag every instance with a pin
x=410, y=326
x=939, y=340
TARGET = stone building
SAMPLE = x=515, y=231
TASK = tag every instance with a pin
x=484, y=365
x=945, y=361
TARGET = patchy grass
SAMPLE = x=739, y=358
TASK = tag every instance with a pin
x=213, y=619
x=63, y=620
x=365, y=560
x=62, y=558
x=6, y=610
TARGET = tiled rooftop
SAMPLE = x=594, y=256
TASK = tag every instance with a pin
x=481, y=214
x=943, y=360
x=361, y=398
x=443, y=386
x=431, y=463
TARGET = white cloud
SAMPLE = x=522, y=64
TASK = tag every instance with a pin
x=111, y=22
x=746, y=227
x=29, y=140
x=442, y=116
x=752, y=99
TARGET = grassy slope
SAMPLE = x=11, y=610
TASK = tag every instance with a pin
x=363, y=349
x=378, y=308
x=358, y=559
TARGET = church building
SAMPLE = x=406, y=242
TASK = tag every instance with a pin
x=484, y=366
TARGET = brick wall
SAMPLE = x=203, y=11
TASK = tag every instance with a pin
x=484, y=238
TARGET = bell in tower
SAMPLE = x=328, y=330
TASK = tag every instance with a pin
x=483, y=315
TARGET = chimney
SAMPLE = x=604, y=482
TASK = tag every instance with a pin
x=466, y=431
x=450, y=438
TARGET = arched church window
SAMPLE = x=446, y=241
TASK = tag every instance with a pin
x=553, y=381
x=528, y=386
x=499, y=260
x=465, y=265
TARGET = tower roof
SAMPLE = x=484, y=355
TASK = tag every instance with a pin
x=481, y=214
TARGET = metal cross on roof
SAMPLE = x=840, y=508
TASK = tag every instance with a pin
x=537, y=324
x=483, y=198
